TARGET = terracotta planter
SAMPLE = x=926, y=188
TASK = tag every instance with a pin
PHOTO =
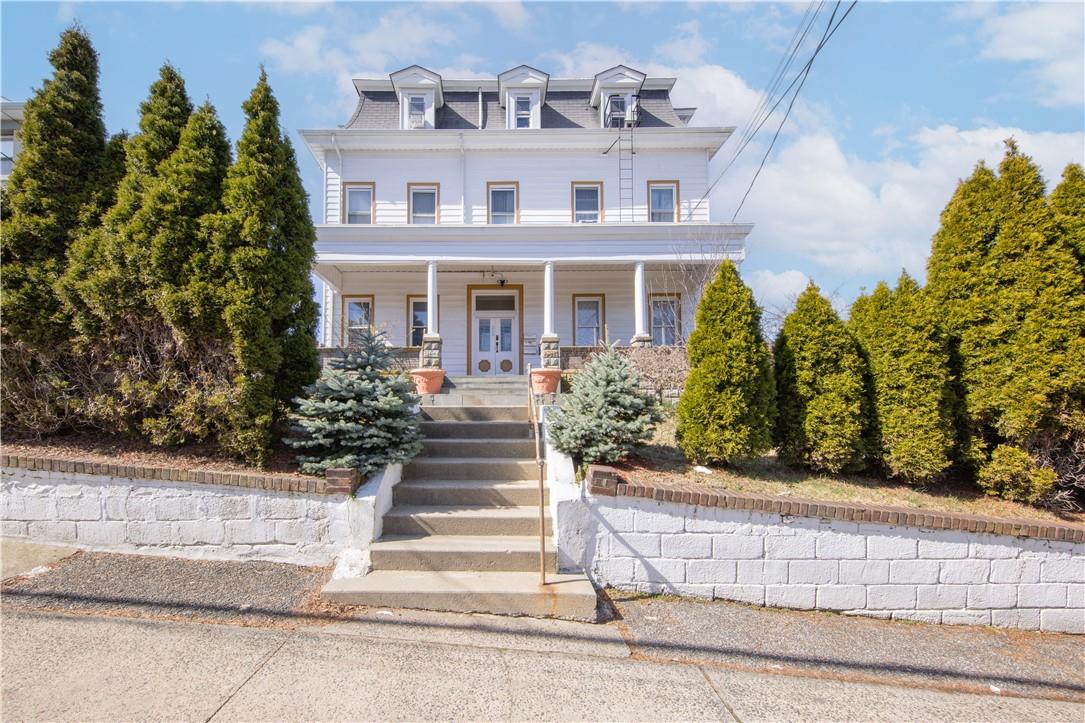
x=428, y=381
x=545, y=381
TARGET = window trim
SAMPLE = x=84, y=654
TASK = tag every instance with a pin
x=677, y=296
x=344, y=201
x=347, y=298
x=419, y=186
x=602, y=298
x=411, y=298
x=677, y=199
x=572, y=200
x=502, y=185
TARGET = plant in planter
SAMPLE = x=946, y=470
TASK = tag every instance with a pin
x=358, y=414
x=606, y=415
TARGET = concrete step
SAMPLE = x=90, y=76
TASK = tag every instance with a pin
x=461, y=552
x=503, y=593
x=461, y=447
x=470, y=468
x=460, y=380
x=463, y=520
x=469, y=492
x=476, y=430
x=508, y=413
x=475, y=398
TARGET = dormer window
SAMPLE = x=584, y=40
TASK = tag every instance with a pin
x=416, y=111
x=523, y=111
x=615, y=111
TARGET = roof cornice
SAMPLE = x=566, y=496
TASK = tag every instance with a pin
x=490, y=85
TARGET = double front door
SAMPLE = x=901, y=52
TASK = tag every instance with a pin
x=496, y=334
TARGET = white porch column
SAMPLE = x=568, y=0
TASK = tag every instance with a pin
x=431, y=340
x=431, y=299
x=549, y=344
x=641, y=337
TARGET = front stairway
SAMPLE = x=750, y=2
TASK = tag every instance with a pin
x=463, y=534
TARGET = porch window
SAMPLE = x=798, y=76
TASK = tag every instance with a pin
x=587, y=320
x=523, y=111
x=503, y=204
x=359, y=203
x=666, y=319
x=662, y=201
x=422, y=200
x=416, y=319
x=587, y=202
x=357, y=317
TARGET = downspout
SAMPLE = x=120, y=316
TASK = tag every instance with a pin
x=480, y=107
x=465, y=214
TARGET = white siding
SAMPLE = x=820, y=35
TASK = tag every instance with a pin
x=544, y=177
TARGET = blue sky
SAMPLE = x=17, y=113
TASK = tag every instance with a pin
x=902, y=102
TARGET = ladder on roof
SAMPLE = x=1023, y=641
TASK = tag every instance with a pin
x=623, y=117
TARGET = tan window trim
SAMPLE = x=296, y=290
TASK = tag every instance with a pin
x=346, y=303
x=602, y=314
x=515, y=185
x=677, y=198
x=436, y=201
x=572, y=198
x=418, y=297
x=677, y=315
x=345, y=187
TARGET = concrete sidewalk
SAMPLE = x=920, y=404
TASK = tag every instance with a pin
x=131, y=637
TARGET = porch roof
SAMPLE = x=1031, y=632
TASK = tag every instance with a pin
x=532, y=244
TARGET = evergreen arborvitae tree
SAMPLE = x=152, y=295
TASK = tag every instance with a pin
x=55, y=175
x=605, y=416
x=357, y=414
x=104, y=283
x=263, y=244
x=726, y=408
x=1068, y=201
x=820, y=415
x=908, y=359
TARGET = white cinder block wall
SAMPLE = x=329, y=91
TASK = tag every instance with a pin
x=797, y=562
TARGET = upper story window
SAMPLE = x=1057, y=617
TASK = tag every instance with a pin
x=503, y=202
x=422, y=200
x=416, y=111
x=523, y=111
x=587, y=202
x=666, y=319
x=662, y=201
x=360, y=203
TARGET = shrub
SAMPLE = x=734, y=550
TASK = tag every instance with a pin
x=605, y=416
x=726, y=408
x=1013, y=475
x=821, y=416
x=357, y=414
x=909, y=365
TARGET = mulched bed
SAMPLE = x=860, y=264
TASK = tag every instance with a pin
x=127, y=451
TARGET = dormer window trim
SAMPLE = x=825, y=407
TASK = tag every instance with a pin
x=514, y=112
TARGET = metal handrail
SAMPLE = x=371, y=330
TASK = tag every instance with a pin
x=542, y=473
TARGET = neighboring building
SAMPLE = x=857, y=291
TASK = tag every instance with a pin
x=11, y=117
x=494, y=221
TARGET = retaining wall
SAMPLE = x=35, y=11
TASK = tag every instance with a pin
x=847, y=558
x=237, y=516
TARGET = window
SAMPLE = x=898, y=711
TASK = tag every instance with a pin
x=357, y=317
x=523, y=111
x=503, y=203
x=416, y=319
x=7, y=154
x=359, y=203
x=615, y=110
x=666, y=319
x=662, y=201
x=416, y=111
x=423, y=202
x=588, y=312
x=587, y=202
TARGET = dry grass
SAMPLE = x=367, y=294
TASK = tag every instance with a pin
x=662, y=461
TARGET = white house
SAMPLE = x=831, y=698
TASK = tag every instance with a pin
x=11, y=117
x=486, y=225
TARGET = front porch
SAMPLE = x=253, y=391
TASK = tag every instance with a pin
x=495, y=320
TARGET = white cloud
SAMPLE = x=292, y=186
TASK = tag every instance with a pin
x=776, y=292
x=1051, y=38
x=304, y=53
x=66, y=11
x=687, y=45
x=512, y=15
